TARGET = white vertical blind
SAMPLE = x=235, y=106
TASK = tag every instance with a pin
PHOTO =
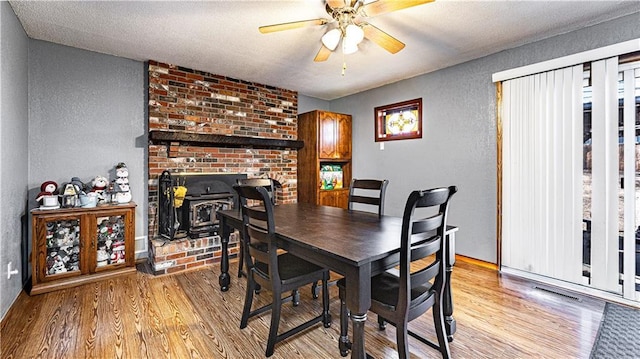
x=542, y=173
x=629, y=245
x=604, y=198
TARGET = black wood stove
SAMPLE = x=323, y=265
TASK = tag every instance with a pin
x=195, y=215
x=199, y=213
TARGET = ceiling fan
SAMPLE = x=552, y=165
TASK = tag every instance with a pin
x=349, y=24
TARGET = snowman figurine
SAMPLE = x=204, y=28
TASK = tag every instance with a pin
x=47, y=196
x=100, y=184
x=123, y=193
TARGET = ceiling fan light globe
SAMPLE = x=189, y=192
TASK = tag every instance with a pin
x=354, y=33
x=349, y=47
x=331, y=39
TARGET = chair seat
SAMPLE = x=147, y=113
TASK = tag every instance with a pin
x=387, y=288
x=292, y=268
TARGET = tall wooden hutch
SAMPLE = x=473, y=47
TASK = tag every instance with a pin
x=324, y=163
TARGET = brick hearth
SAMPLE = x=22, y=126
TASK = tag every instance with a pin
x=182, y=254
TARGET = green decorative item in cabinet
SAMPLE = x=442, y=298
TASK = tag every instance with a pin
x=331, y=177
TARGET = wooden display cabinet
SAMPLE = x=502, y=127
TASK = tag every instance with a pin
x=327, y=142
x=80, y=245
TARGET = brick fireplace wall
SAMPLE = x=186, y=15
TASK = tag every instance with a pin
x=182, y=99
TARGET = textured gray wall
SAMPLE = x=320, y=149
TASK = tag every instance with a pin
x=459, y=123
x=14, y=113
x=306, y=104
x=86, y=114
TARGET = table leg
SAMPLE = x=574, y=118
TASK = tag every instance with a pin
x=225, y=279
x=358, y=301
x=447, y=304
x=357, y=347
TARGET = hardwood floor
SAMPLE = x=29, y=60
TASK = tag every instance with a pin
x=186, y=316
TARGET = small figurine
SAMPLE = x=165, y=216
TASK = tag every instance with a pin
x=47, y=196
x=122, y=173
x=100, y=184
x=79, y=186
x=102, y=257
x=111, y=192
x=55, y=264
x=123, y=193
x=89, y=200
x=70, y=196
x=47, y=188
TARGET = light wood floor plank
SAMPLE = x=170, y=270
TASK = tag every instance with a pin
x=185, y=315
x=153, y=333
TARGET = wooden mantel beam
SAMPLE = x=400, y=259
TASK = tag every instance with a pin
x=215, y=140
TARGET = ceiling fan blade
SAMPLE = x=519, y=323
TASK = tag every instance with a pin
x=383, y=39
x=380, y=7
x=335, y=3
x=291, y=25
x=323, y=54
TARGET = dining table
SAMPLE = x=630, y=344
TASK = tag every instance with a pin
x=355, y=244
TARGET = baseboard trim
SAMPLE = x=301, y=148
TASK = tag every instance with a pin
x=477, y=262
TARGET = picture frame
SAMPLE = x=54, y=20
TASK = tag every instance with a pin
x=399, y=121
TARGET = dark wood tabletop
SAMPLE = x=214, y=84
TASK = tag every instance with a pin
x=333, y=231
x=355, y=244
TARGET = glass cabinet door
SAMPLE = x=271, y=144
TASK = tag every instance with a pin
x=110, y=246
x=63, y=246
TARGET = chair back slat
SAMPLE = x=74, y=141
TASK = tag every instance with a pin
x=375, y=201
x=368, y=183
x=427, y=224
x=433, y=197
x=425, y=274
x=425, y=249
x=267, y=183
x=257, y=214
x=368, y=192
x=258, y=244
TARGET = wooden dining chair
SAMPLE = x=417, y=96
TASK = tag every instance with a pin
x=369, y=192
x=402, y=295
x=269, y=185
x=276, y=272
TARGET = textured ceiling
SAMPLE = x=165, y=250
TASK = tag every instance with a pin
x=222, y=37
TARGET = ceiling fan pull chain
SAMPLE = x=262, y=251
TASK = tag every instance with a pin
x=344, y=64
